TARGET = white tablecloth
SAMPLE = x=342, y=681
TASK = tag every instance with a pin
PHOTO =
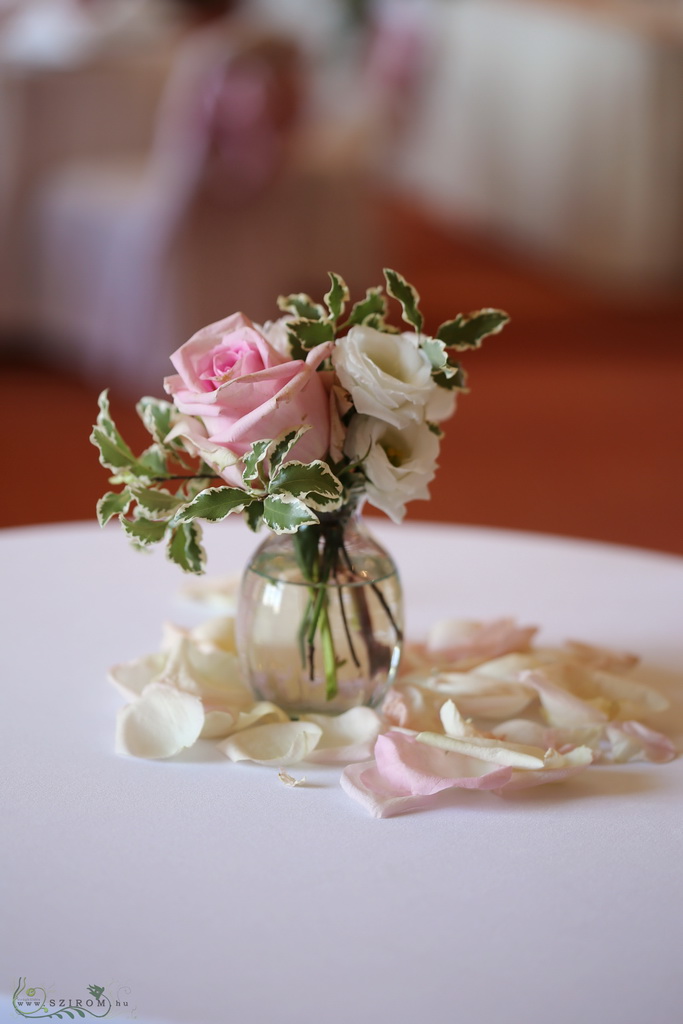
x=203, y=891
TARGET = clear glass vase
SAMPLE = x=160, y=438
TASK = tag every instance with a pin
x=320, y=617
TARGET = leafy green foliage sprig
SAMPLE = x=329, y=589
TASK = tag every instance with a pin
x=283, y=493
x=166, y=491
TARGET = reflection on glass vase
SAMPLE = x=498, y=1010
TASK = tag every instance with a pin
x=320, y=617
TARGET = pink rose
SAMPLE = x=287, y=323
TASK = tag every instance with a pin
x=244, y=390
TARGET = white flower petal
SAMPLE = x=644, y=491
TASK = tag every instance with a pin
x=464, y=644
x=131, y=677
x=280, y=743
x=633, y=741
x=217, y=632
x=160, y=723
x=217, y=725
x=347, y=737
x=219, y=592
x=262, y=713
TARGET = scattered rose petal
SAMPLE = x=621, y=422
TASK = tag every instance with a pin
x=289, y=780
x=412, y=707
x=261, y=713
x=278, y=743
x=217, y=725
x=131, y=677
x=347, y=737
x=217, y=632
x=633, y=741
x=412, y=768
x=454, y=724
x=560, y=706
x=602, y=657
x=512, y=755
x=160, y=723
x=219, y=592
x=464, y=644
x=479, y=695
x=557, y=767
x=363, y=782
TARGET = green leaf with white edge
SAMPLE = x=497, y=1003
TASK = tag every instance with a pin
x=337, y=297
x=283, y=446
x=254, y=515
x=112, y=455
x=114, y=503
x=371, y=310
x=143, y=531
x=399, y=289
x=435, y=350
x=324, y=502
x=157, y=416
x=435, y=429
x=469, y=331
x=156, y=503
x=302, y=478
x=306, y=334
x=453, y=382
x=107, y=425
x=152, y=462
x=253, y=461
x=184, y=548
x=214, y=504
x=283, y=513
x=301, y=305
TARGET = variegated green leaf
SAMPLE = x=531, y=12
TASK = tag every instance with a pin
x=306, y=334
x=371, y=310
x=143, y=531
x=107, y=426
x=184, y=548
x=283, y=447
x=253, y=514
x=469, y=331
x=157, y=415
x=152, y=462
x=301, y=305
x=113, y=504
x=285, y=514
x=300, y=479
x=112, y=455
x=337, y=297
x=253, y=461
x=399, y=289
x=156, y=503
x=214, y=504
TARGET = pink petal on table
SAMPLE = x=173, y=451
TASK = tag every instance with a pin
x=561, y=707
x=633, y=741
x=456, y=642
x=363, y=783
x=558, y=767
x=412, y=707
x=602, y=657
x=412, y=768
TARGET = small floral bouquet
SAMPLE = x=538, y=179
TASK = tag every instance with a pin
x=293, y=423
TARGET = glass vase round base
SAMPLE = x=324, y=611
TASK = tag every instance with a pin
x=320, y=618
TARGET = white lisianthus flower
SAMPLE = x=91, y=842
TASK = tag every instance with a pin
x=389, y=377
x=398, y=464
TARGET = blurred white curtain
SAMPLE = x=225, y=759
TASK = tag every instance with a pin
x=545, y=124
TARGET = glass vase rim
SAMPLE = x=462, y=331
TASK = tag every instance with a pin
x=332, y=584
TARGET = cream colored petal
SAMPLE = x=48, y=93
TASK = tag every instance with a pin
x=561, y=707
x=602, y=657
x=347, y=737
x=280, y=743
x=217, y=725
x=512, y=755
x=412, y=707
x=217, y=632
x=131, y=677
x=481, y=696
x=211, y=674
x=160, y=723
x=556, y=768
x=633, y=741
x=219, y=592
x=262, y=713
x=454, y=724
x=464, y=644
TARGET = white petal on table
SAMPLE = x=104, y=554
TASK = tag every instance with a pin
x=279, y=743
x=347, y=737
x=160, y=723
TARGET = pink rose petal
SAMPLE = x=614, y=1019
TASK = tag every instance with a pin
x=363, y=782
x=412, y=768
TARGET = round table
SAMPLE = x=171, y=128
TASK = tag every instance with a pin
x=197, y=890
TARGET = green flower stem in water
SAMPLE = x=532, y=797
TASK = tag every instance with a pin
x=322, y=555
